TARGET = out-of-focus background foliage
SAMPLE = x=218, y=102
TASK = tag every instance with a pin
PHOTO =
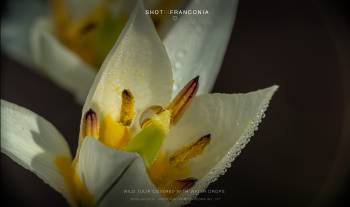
x=300, y=155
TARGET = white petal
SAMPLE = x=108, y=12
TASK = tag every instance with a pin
x=99, y=165
x=231, y=119
x=16, y=24
x=59, y=63
x=141, y=193
x=33, y=143
x=137, y=62
x=196, y=44
x=107, y=173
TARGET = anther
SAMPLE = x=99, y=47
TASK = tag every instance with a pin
x=187, y=183
x=90, y=125
x=181, y=157
x=177, y=186
x=127, y=108
x=183, y=99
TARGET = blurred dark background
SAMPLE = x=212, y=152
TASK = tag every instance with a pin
x=299, y=156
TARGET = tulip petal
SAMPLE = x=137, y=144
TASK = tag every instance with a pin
x=63, y=66
x=35, y=144
x=135, y=189
x=206, y=37
x=109, y=174
x=231, y=119
x=138, y=62
x=99, y=165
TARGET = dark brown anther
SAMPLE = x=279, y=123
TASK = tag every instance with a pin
x=187, y=183
x=88, y=28
x=90, y=125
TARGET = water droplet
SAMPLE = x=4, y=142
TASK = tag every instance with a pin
x=180, y=53
x=178, y=65
x=175, y=87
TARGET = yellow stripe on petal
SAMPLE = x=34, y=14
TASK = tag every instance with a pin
x=168, y=177
x=79, y=192
x=162, y=172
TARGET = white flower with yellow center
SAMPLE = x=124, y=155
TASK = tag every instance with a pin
x=134, y=137
x=69, y=41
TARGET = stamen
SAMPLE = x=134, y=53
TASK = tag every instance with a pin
x=90, y=125
x=88, y=27
x=183, y=100
x=127, y=108
x=92, y=20
x=181, y=157
x=187, y=183
x=176, y=187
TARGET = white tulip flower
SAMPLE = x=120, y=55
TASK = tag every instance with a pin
x=71, y=59
x=137, y=145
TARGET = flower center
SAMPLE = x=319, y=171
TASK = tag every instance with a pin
x=168, y=171
x=113, y=134
x=93, y=36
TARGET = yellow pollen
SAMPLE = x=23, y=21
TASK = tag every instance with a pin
x=184, y=155
x=127, y=108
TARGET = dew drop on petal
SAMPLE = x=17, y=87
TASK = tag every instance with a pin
x=175, y=87
x=180, y=53
x=178, y=65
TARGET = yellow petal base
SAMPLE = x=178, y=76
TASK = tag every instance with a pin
x=113, y=134
x=79, y=192
x=163, y=175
